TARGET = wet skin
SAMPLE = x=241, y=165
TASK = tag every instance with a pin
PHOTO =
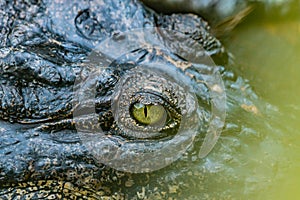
x=43, y=46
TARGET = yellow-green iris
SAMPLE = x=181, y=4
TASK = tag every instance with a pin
x=149, y=114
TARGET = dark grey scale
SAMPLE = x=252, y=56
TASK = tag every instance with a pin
x=34, y=102
x=197, y=29
x=43, y=102
x=40, y=89
x=11, y=100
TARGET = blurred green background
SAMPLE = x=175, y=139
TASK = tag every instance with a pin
x=267, y=53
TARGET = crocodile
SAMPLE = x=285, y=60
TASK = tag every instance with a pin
x=44, y=46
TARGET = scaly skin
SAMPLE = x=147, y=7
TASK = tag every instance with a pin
x=43, y=47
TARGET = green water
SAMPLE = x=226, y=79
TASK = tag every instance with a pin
x=258, y=153
x=267, y=54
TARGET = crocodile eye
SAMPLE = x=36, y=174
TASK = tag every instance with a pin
x=147, y=105
x=152, y=100
x=149, y=114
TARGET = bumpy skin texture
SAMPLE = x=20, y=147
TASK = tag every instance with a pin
x=42, y=46
x=48, y=47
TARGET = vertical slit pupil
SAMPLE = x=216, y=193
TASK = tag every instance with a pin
x=145, y=111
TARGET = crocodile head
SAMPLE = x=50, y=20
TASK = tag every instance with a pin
x=143, y=97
